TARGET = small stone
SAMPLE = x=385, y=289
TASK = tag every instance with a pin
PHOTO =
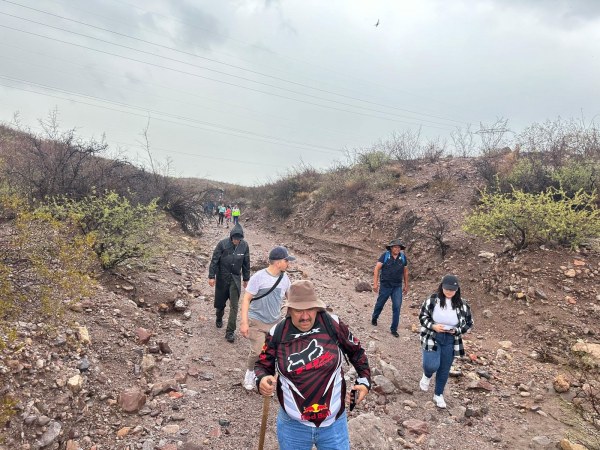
x=164, y=347
x=83, y=335
x=84, y=364
x=561, y=384
x=123, y=432
x=171, y=429
x=75, y=383
x=541, y=442
x=565, y=444
x=51, y=434
x=143, y=335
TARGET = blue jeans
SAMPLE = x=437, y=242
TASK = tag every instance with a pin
x=439, y=361
x=386, y=292
x=293, y=435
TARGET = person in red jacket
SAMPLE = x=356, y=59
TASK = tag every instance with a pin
x=306, y=351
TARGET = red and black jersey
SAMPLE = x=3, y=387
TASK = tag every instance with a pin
x=311, y=386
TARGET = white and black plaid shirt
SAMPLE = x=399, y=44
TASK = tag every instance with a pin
x=465, y=322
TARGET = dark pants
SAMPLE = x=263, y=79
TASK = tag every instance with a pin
x=222, y=294
x=386, y=292
x=221, y=216
x=439, y=361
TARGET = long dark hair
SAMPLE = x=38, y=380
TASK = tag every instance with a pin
x=456, y=298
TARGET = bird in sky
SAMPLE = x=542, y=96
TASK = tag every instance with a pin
x=377, y=24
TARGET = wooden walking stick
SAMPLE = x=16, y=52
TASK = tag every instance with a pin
x=263, y=423
x=265, y=416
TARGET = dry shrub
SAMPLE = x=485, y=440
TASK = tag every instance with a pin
x=330, y=211
x=442, y=185
x=44, y=262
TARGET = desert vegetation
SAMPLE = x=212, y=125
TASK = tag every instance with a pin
x=70, y=210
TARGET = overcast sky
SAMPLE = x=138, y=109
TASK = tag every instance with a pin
x=242, y=90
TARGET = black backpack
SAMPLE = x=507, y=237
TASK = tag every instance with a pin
x=327, y=321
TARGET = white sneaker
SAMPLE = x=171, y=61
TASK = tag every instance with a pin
x=249, y=380
x=424, y=383
x=439, y=401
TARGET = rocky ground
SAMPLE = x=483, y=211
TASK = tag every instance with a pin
x=142, y=366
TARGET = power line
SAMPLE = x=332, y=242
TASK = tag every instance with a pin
x=245, y=134
x=187, y=93
x=218, y=158
x=257, y=47
x=218, y=62
x=221, y=81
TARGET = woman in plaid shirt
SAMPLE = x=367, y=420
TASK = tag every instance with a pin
x=444, y=317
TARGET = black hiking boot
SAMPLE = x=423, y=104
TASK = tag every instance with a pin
x=395, y=333
x=219, y=323
x=230, y=336
x=374, y=322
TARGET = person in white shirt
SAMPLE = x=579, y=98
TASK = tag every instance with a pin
x=261, y=305
x=445, y=316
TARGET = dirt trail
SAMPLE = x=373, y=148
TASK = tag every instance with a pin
x=223, y=399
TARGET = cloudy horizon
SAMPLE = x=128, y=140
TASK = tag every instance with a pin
x=242, y=91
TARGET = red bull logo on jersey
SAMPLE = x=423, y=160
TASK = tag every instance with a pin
x=316, y=411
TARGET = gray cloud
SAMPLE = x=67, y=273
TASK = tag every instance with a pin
x=565, y=13
x=195, y=27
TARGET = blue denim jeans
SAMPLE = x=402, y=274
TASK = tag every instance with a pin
x=292, y=435
x=386, y=292
x=439, y=361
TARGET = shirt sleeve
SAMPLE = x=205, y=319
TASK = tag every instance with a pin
x=381, y=258
x=265, y=365
x=252, y=287
x=468, y=319
x=350, y=345
x=425, y=315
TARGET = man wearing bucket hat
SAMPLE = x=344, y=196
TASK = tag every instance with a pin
x=305, y=350
x=390, y=279
x=261, y=305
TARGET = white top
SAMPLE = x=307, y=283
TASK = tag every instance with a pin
x=445, y=316
x=267, y=309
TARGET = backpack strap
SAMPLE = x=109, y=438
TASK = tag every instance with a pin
x=270, y=290
x=329, y=328
x=331, y=331
x=278, y=332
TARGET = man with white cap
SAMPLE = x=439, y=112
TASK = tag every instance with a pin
x=261, y=305
x=306, y=350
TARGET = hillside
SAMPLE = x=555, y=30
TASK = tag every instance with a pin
x=151, y=329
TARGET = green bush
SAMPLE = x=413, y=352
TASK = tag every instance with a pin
x=373, y=160
x=527, y=175
x=550, y=217
x=121, y=231
x=578, y=176
x=44, y=263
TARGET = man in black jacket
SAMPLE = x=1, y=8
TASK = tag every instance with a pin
x=230, y=262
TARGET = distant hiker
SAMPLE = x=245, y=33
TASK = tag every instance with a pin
x=445, y=316
x=235, y=213
x=221, y=210
x=230, y=262
x=261, y=305
x=390, y=279
x=228, y=215
x=306, y=350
